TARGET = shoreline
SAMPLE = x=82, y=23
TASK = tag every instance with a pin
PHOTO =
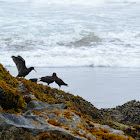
x=104, y=87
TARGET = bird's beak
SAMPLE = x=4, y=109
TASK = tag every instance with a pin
x=35, y=70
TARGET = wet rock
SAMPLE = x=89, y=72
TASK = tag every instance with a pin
x=128, y=112
x=40, y=106
x=33, y=124
x=37, y=106
x=7, y=120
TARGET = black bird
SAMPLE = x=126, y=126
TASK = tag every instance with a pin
x=21, y=66
x=59, y=81
x=48, y=79
x=33, y=80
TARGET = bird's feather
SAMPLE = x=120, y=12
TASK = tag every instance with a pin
x=20, y=63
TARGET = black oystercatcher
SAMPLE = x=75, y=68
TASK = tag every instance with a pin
x=48, y=79
x=59, y=81
x=21, y=66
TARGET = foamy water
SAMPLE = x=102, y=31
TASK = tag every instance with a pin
x=71, y=33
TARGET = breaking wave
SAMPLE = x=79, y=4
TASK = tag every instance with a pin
x=57, y=35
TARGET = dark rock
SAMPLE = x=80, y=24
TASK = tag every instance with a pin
x=33, y=80
x=27, y=122
x=128, y=112
x=1, y=90
x=37, y=106
x=40, y=106
x=11, y=134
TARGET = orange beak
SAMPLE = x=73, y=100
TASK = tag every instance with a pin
x=35, y=70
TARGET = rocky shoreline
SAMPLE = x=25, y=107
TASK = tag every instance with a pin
x=126, y=113
x=44, y=120
x=127, y=117
x=31, y=111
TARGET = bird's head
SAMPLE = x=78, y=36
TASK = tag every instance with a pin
x=32, y=68
x=12, y=57
x=54, y=74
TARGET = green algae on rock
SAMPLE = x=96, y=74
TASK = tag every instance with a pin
x=7, y=77
x=10, y=99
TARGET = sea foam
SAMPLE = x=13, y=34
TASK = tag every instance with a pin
x=65, y=35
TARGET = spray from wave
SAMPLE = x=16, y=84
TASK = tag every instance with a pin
x=60, y=2
x=79, y=2
x=82, y=48
x=61, y=35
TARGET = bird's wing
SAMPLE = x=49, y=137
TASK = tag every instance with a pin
x=60, y=81
x=20, y=63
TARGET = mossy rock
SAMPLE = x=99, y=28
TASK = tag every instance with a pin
x=11, y=100
x=7, y=77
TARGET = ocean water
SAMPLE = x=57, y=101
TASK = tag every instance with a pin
x=76, y=36
x=100, y=33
